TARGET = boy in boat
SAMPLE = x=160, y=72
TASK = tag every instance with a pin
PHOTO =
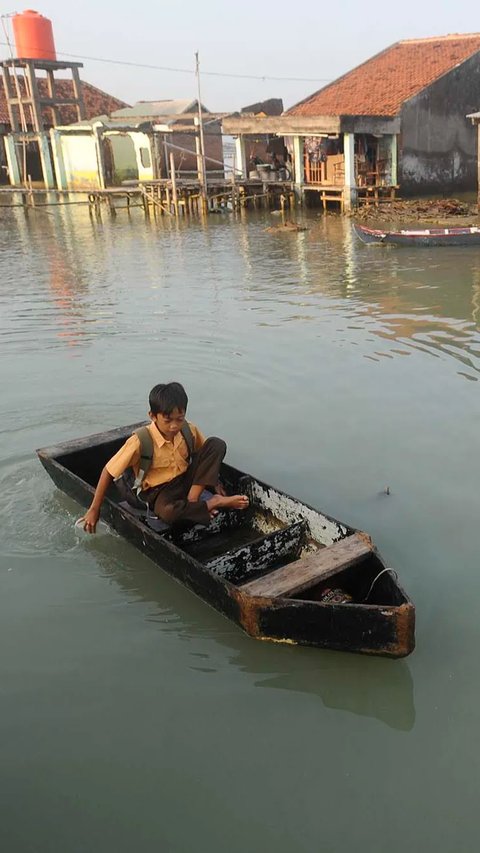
x=183, y=465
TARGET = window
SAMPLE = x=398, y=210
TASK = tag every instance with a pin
x=145, y=158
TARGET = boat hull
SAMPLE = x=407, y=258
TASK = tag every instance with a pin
x=426, y=237
x=386, y=629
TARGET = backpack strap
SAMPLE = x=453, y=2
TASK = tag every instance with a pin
x=146, y=455
x=189, y=439
x=146, y=451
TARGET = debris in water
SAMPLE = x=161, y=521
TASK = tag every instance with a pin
x=287, y=226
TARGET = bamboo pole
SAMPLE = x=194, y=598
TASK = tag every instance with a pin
x=173, y=178
x=202, y=140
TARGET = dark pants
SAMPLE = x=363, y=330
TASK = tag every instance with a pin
x=169, y=501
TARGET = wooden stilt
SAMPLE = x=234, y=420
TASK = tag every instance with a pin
x=173, y=179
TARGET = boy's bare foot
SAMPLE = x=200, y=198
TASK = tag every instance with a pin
x=227, y=502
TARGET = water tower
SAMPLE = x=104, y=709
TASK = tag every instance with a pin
x=34, y=95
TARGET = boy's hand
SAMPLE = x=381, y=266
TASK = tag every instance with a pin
x=219, y=490
x=90, y=520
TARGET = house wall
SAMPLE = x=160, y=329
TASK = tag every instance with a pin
x=437, y=145
x=143, y=150
x=80, y=164
x=214, y=148
x=187, y=162
x=4, y=173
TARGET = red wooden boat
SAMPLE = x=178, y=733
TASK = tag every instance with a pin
x=469, y=236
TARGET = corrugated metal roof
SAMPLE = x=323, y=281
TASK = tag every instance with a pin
x=379, y=86
x=159, y=108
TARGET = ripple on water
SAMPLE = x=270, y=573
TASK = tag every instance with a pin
x=34, y=522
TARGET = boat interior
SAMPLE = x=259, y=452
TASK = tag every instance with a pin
x=278, y=548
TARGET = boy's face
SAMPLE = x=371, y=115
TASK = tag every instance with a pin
x=170, y=424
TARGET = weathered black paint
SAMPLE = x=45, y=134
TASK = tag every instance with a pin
x=354, y=627
x=255, y=559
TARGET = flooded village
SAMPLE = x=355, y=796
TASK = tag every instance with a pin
x=290, y=229
x=356, y=142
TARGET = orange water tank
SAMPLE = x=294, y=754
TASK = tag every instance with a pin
x=33, y=36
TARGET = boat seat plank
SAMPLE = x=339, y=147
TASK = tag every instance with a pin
x=308, y=571
x=248, y=561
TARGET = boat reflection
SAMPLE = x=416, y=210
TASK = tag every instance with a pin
x=406, y=300
x=369, y=687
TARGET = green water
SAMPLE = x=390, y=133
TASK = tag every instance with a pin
x=132, y=716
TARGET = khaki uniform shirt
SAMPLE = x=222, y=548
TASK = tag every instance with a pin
x=170, y=458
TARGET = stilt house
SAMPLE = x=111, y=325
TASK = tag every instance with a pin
x=399, y=120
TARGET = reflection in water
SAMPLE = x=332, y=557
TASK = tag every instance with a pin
x=407, y=300
x=371, y=687
x=349, y=251
x=47, y=243
x=377, y=688
x=273, y=336
x=476, y=295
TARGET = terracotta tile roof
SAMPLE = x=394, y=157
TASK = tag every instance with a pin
x=379, y=86
x=96, y=101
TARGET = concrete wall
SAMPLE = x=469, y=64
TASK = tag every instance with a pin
x=438, y=145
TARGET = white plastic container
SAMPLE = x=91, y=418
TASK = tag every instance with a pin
x=101, y=529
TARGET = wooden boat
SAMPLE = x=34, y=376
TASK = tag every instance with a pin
x=425, y=237
x=269, y=568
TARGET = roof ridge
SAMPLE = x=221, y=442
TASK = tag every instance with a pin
x=448, y=37
x=380, y=84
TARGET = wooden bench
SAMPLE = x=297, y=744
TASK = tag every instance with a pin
x=307, y=572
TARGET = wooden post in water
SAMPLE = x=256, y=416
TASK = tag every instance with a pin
x=478, y=164
x=30, y=192
x=173, y=178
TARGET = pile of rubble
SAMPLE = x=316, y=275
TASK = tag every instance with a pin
x=415, y=210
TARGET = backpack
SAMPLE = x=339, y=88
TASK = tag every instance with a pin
x=130, y=486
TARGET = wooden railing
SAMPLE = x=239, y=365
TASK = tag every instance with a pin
x=315, y=171
x=331, y=172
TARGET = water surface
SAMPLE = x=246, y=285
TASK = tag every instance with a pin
x=133, y=717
